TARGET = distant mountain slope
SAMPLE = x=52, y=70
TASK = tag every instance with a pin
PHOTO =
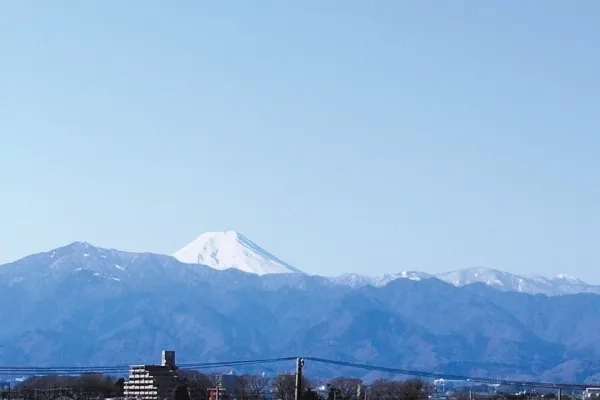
x=82, y=305
x=562, y=284
x=356, y=280
x=224, y=250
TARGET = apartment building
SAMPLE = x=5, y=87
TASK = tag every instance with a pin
x=153, y=382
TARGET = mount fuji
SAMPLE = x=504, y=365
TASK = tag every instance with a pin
x=230, y=249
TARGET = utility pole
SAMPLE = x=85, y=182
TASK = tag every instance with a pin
x=298, y=391
x=559, y=393
x=218, y=387
x=361, y=391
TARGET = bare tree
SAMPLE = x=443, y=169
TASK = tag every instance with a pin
x=345, y=388
x=197, y=383
x=413, y=389
x=253, y=387
x=46, y=382
x=90, y=384
x=380, y=390
x=416, y=389
x=181, y=392
x=285, y=386
x=95, y=384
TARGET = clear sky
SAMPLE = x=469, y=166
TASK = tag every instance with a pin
x=343, y=136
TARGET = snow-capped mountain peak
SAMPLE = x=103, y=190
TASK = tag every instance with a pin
x=569, y=279
x=561, y=284
x=505, y=281
x=490, y=277
x=230, y=249
x=356, y=280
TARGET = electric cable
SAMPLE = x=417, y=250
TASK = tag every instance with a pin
x=116, y=369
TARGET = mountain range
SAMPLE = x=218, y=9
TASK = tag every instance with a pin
x=84, y=305
x=561, y=284
x=230, y=249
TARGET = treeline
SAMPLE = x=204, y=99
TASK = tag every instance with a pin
x=282, y=387
x=194, y=385
x=84, y=386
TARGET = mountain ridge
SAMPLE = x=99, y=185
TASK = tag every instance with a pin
x=232, y=250
x=76, y=307
x=559, y=285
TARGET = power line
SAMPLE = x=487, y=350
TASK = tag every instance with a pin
x=122, y=368
x=436, y=375
x=66, y=370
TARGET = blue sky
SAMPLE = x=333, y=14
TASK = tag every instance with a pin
x=343, y=136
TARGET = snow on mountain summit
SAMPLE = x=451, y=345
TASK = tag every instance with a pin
x=505, y=281
x=569, y=279
x=488, y=276
x=230, y=249
x=356, y=280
